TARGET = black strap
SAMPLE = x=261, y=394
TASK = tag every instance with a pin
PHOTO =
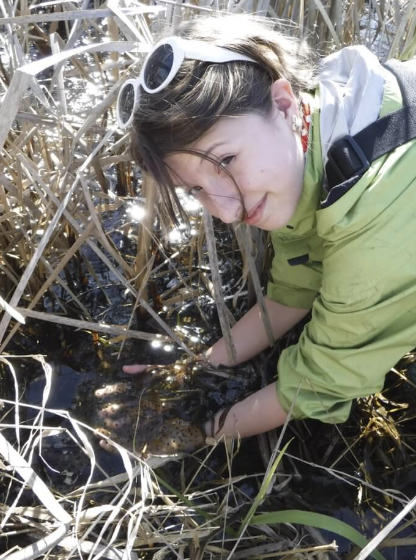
x=351, y=156
x=406, y=78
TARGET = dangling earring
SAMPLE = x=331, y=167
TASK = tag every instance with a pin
x=296, y=124
x=306, y=123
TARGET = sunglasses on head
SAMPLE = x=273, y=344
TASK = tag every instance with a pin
x=161, y=66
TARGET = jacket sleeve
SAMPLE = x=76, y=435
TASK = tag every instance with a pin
x=340, y=356
x=363, y=320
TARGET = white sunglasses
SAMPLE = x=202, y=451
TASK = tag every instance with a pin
x=161, y=66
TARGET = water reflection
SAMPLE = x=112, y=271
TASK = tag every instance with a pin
x=137, y=212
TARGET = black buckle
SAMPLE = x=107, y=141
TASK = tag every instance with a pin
x=295, y=261
x=345, y=160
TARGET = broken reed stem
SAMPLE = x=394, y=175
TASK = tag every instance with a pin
x=144, y=245
x=242, y=233
x=91, y=326
x=217, y=287
x=72, y=15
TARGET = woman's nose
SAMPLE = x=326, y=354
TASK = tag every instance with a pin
x=224, y=202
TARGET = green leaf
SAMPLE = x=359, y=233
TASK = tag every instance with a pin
x=315, y=520
x=263, y=489
x=191, y=504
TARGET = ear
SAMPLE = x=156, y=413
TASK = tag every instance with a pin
x=283, y=98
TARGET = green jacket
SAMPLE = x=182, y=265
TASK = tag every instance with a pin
x=359, y=280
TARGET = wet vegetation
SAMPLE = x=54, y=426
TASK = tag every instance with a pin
x=92, y=276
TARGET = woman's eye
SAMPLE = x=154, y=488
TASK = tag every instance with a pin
x=193, y=191
x=226, y=161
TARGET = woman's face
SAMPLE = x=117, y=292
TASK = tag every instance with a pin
x=264, y=156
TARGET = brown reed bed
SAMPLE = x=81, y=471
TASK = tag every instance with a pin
x=64, y=169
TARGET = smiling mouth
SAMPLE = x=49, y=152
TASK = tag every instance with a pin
x=255, y=213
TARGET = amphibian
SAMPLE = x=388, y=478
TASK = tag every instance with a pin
x=160, y=412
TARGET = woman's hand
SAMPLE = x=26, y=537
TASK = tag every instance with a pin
x=259, y=412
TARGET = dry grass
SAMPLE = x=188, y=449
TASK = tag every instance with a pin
x=64, y=168
x=60, y=150
x=141, y=513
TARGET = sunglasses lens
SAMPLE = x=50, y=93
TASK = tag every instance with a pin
x=158, y=67
x=126, y=103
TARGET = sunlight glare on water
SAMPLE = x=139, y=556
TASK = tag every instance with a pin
x=137, y=212
x=178, y=234
x=91, y=94
x=189, y=204
x=175, y=236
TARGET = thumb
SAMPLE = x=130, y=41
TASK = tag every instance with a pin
x=135, y=368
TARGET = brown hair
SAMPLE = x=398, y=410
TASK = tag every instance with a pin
x=203, y=92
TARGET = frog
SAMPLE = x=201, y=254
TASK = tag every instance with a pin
x=161, y=411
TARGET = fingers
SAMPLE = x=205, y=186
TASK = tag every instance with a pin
x=113, y=410
x=112, y=390
x=99, y=432
x=107, y=446
x=136, y=368
x=104, y=443
x=110, y=411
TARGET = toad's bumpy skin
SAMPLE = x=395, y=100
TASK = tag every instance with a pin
x=175, y=436
x=142, y=414
x=163, y=438
x=158, y=412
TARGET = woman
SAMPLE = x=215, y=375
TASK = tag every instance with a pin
x=246, y=130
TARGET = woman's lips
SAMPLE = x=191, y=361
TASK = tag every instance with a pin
x=255, y=213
